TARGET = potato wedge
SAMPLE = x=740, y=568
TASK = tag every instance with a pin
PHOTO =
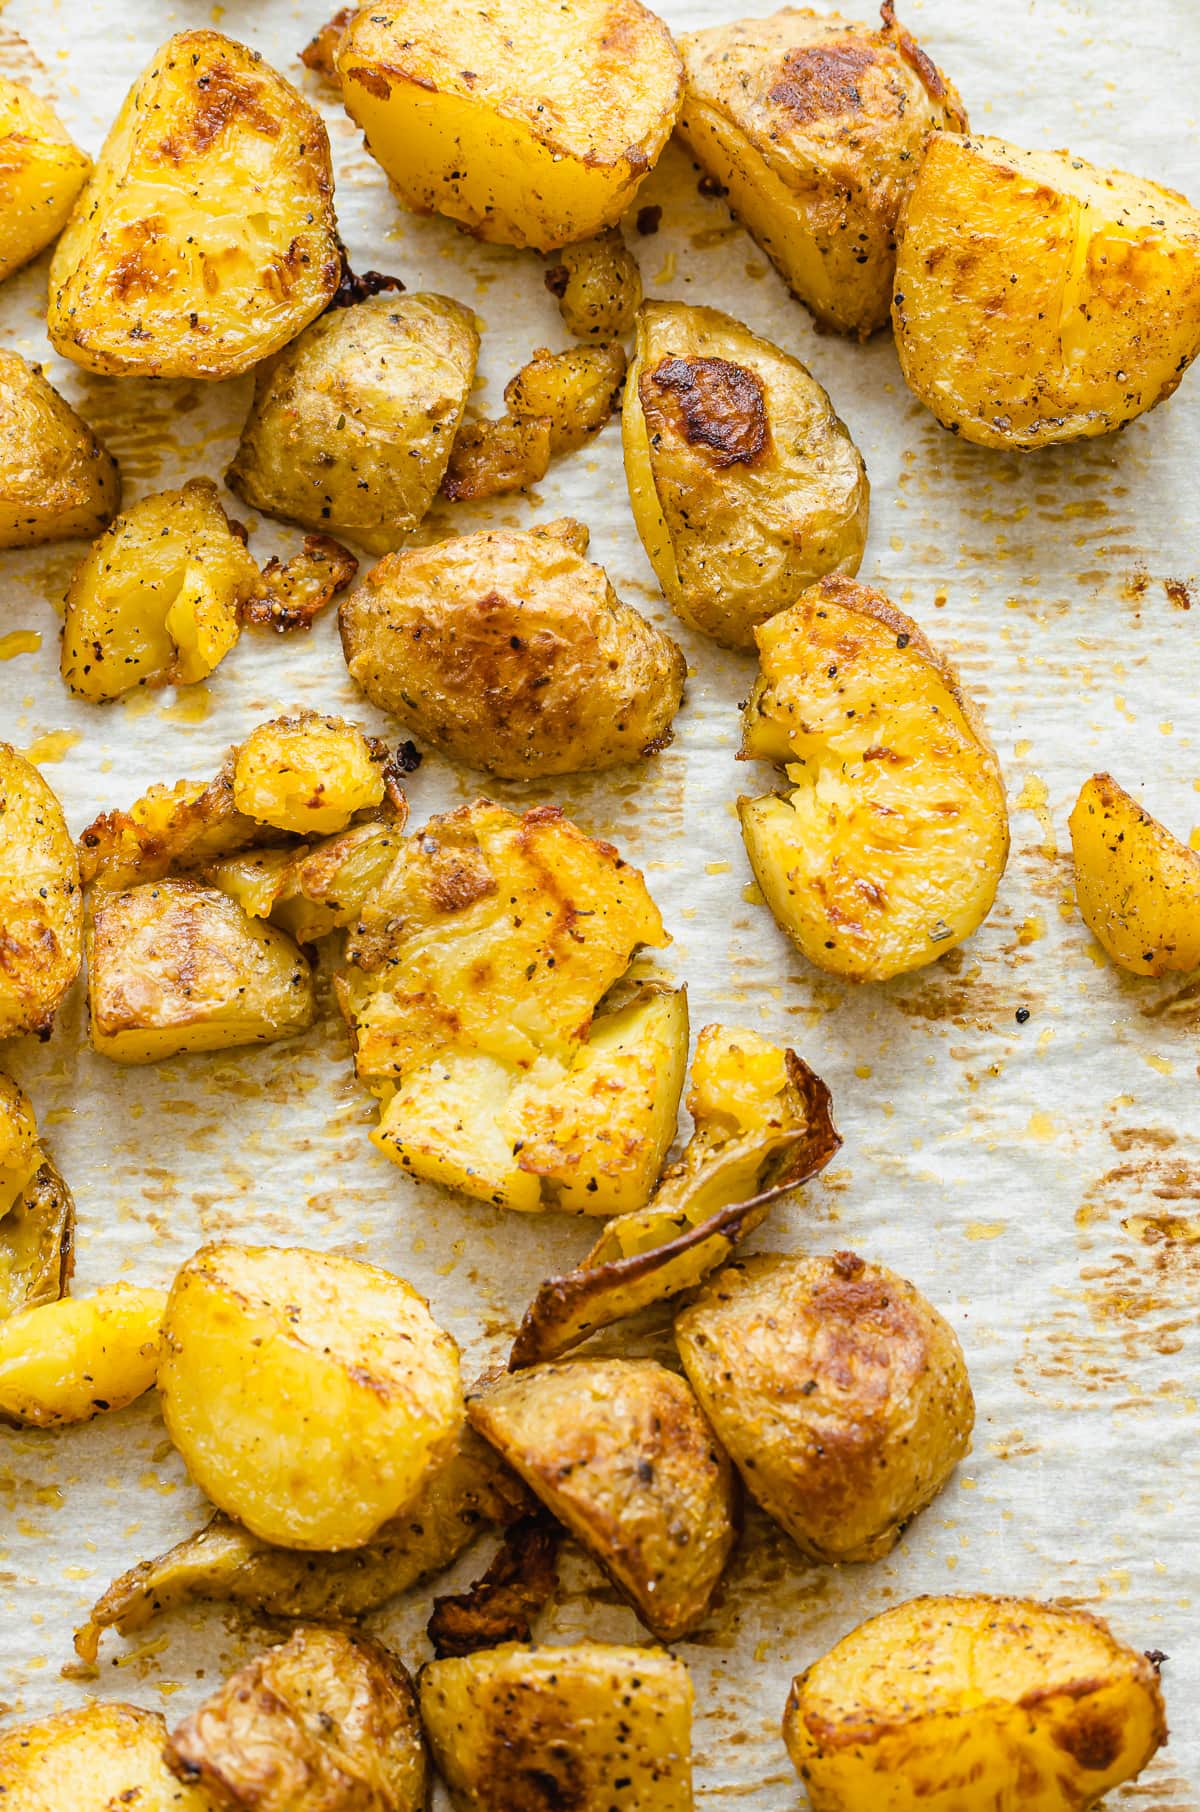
x=575, y=391
x=494, y=458
x=41, y=905
x=1137, y=886
x=93, y=1759
x=506, y=1724
x=814, y=127
x=1039, y=298
x=67, y=1361
x=205, y=239
x=41, y=172
x=315, y=889
x=953, y=1701
x=528, y=127
x=598, y=286
x=310, y=1396
x=745, y=485
x=308, y=774
x=888, y=848
x=510, y=651
x=351, y=427
x=58, y=482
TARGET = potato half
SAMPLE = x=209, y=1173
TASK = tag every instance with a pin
x=58, y=482
x=529, y=126
x=310, y=1396
x=67, y=1361
x=944, y=1703
x=1137, y=886
x=1040, y=298
x=93, y=1759
x=888, y=848
x=41, y=904
x=745, y=485
x=41, y=172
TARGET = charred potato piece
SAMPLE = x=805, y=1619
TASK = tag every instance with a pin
x=598, y=286
x=745, y=485
x=520, y=1582
x=310, y=1396
x=351, y=427
x=529, y=127
x=318, y=888
x=1137, y=885
x=41, y=173
x=308, y=774
x=180, y=826
x=524, y=1726
x=37, y=1243
x=510, y=651
x=494, y=458
x=1039, y=298
x=41, y=905
x=93, y=1759
x=888, y=848
x=205, y=239
x=575, y=391
x=814, y=127
x=954, y=1701
x=58, y=482
x=292, y=593
x=66, y=1361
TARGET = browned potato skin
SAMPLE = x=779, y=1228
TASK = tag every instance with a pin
x=575, y=391
x=41, y=905
x=494, y=458
x=58, y=482
x=37, y=1243
x=598, y=286
x=840, y=1393
x=292, y=593
x=619, y=1451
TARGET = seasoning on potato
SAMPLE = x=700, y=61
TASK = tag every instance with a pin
x=308, y=773
x=41, y=904
x=67, y=1361
x=58, y=482
x=574, y=391
x=94, y=1758
x=292, y=593
x=41, y=172
x=597, y=285
x=37, y=1214
x=1137, y=886
x=745, y=485
x=312, y=889
x=887, y=849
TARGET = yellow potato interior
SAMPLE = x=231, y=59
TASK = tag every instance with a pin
x=1138, y=887
x=67, y=1361
x=93, y=1759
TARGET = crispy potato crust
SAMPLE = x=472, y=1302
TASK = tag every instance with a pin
x=499, y=1606
x=494, y=458
x=93, y=1759
x=1137, y=886
x=309, y=774
x=575, y=391
x=58, y=482
x=292, y=593
x=41, y=173
x=41, y=905
x=169, y=827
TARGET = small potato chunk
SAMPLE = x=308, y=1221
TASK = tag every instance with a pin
x=37, y=1242
x=494, y=458
x=745, y=485
x=598, y=286
x=840, y=1393
x=41, y=173
x=176, y=967
x=351, y=427
x=157, y=600
x=814, y=127
x=888, y=849
x=310, y=1396
x=308, y=774
x=325, y=1722
x=574, y=391
x=947, y=1702
x=619, y=1451
x=169, y=827
x=318, y=888
x=58, y=482
x=94, y=1759
x=41, y=905
x=529, y=126
x=292, y=593
x=1137, y=885
x=533, y=1727
x=205, y=239
x=1039, y=298
x=67, y=1361
x=510, y=651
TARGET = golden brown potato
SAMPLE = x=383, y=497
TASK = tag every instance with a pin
x=548, y=1727
x=320, y=53
x=57, y=481
x=20, y=1147
x=325, y=1722
x=745, y=485
x=94, y=1759
x=308, y=774
x=66, y=1361
x=575, y=391
x=315, y=889
x=1136, y=885
x=157, y=600
x=41, y=173
x=205, y=239
x=1040, y=298
x=528, y=126
x=351, y=426
x=840, y=1393
x=310, y=1396
x=291, y=593
x=814, y=126
x=888, y=847
x=944, y=1703
x=510, y=651
x=180, y=826
x=598, y=286
x=493, y=458
x=41, y=906
x=37, y=1215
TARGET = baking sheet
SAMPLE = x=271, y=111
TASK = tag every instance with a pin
x=1040, y=1181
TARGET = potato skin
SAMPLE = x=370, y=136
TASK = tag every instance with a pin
x=67, y=1361
x=945, y=1702
x=1137, y=886
x=41, y=173
x=1105, y=317
x=58, y=482
x=41, y=904
x=745, y=485
x=93, y=1759
x=511, y=652
x=37, y=1242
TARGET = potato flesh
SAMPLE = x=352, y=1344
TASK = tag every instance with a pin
x=1137, y=886
x=41, y=173
x=310, y=891
x=67, y=1361
x=169, y=827
x=307, y=774
x=41, y=904
x=57, y=481
x=598, y=287
x=573, y=390
x=494, y=458
x=93, y=1759
x=37, y=1243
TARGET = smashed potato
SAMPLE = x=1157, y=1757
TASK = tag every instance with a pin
x=1137, y=886
x=41, y=172
x=310, y=1396
x=598, y=286
x=1040, y=298
x=205, y=239
x=180, y=826
x=41, y=906
x=93, y=1759
x=58, y=482
x=315, y=889
x=888, y=848
x=66, y=1361
x=745, y=485
x=493, y=458
x=575, y=391
x=952, y=1701
x=308, y=773
x=529, y=127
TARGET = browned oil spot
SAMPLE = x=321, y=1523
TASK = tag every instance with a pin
x=1126, y=1137
x=1179, y=593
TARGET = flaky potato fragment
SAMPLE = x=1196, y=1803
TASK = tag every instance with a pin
x=169, y=827
x=598, y=286
x=58, y=482
x=95, y=1758
x=292, y=593
x=491, y=458
x=1136, y=884
x=41, y=172
x=66, y=1361
x=316, y=888
x=41, y=904
x=500, y=1606
x=575, y=391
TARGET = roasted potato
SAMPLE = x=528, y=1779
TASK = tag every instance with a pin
x=318, y=888
x=547, y=1727
x=1136, y=885
x=510, y=651
x=575, y=391
x=37, y=1242
x=745, y=485
x=520, y=1582
x=320, y=53
x=205, y=239
x=292, y=593
x=308, y=773
x=169, y=827
x=814, y=126
x=310, y=1396
x=157, y=600
x=840, y=1393
x=41, y=173
x=351, y=426
x=620, y=1452
x=20, y=1147
x=93, y=1759
x=325, y=1722
x=944, y=1703
x=57, y=481
x=176, y=967
x=41, y=906
x=888, y=847
x=65, y=1361
x=529, y=127
x=491, y=458
x=1040, y=298
x=598, y=286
